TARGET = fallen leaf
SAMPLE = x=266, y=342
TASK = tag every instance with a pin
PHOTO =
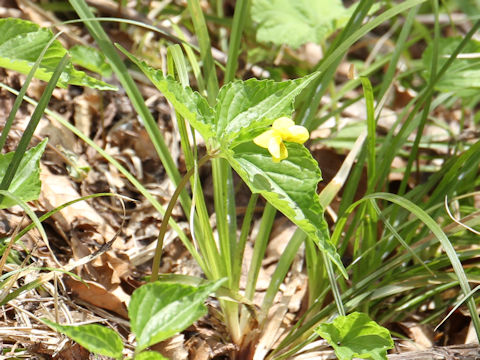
x=113, y=299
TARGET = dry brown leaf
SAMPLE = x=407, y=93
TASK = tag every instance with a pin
x=57, y=135
x=282, y=232
x=421, y=336
x=172, y=348
x=471, y=337
x=113, y=299
x=87, y=106
x=72, y=351
x=202, y=350
x=86, y=228
x=272, y=330
x=57, y=190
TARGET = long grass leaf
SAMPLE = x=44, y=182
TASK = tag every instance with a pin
x=446, y=244
x=209, y=71
x=239, y=20
x=371, y=131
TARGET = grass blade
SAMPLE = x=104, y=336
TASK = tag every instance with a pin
x=446, y=244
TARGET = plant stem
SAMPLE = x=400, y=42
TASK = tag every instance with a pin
x=168, y=213
x=259, y=249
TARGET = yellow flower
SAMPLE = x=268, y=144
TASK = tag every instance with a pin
x=283, y=129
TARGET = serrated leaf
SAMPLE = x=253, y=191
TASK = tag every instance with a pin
x=159, y=310
x=90, y=59
x=290, y=186
x=150, y=355
x=295, y=23
x=190, y=104
x=26, y=183
x=463, y=76
x=356, y=335
x=21, y=42
x=93, y=337
x=246, y=107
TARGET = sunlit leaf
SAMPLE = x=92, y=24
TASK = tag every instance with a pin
x=290, y=186
x=245, y=108
x=463, y=76
x=149, y=355
x=21, y=42
x=90, y=59
x=93, y=337
x=356, y=335
x=160, y=310
x=297, y=22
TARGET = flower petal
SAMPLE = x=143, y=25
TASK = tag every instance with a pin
x=274, y=146
x=263, y=139
x=281, y=125
x=279, y=152
x=272, y=139
x=297, y=134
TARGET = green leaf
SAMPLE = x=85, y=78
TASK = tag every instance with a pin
x=159, y=310
x=150, y=355
x=26, y=182
x=356, y=335
x=21, y=42
x=95, y=338
x=191, y=105
x=463, y=76
x=90, y=59
x=290, y=186
x=245, y=108
x=295, y=23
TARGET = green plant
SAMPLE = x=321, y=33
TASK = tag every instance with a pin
x=235, y=147
x=294, y=24
x=157, y=311
x=232, y=118
x=25, y=184
x=356, y=335
x=243, y=111
x=22, y=43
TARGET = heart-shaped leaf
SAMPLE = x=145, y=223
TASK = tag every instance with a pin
x=290, y=186
x=159, y=310
x=244, y=108
x=356, y=335
x=297, y=22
